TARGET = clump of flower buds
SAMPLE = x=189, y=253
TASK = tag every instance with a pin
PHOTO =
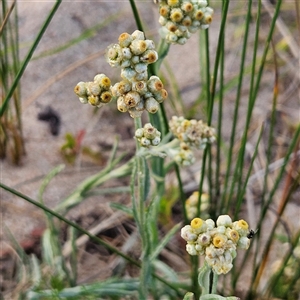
x=135, y=93
x=183, y=156
x=134, y=52
x=192, y=202
x=148, y=136
x=96, y=93
x=181, y=18
x=191, y=134
x=218, y=242
x=137, y=96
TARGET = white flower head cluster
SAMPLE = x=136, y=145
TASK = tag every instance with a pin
x=181, y=18
x=137, y=96
x=148, y=136
x=133, y=51
x=218, y=242
x=191, y=134
x=192, y=202
x=96, y=93
x=135, y=93
x=195, y=134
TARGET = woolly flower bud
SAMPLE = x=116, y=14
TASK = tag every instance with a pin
x=140, y=87
x=202, y=3
x=121, y=88
x=221, y=229
x=93, y=88
x=140, y=67
x=126, y=53
x=155, y=141
x=241, y=227
x=204, y=239
x=128, y=74
x=164, y=10
x=219, y=240
x=122, y=107
x=150, y=45
x=187, y=21
x=198, y=225
x=114, y=55
x=80, y=89
x=139, y=133
x=224, y=220
x=207, y=18
x=145, y=142
x=154, y=84
x=140, y=106
x=141, y=76
x=187, y=6
x=149, y=56
x=176, y=15
x=94, y=100
x=125, y=39
x=151, y=105
x=148, y=135
x=210, y=224
x=138, y=35
x=138, y=47
x=150, y=132
x=190, y=248
x=188, y=234
x=103, y=81
x=160, y=96
x=132, y=99
x=171, y=26
x=198, y=14
x=173, y=2
x=232, y=235
x=243, y=243
x=105, y=97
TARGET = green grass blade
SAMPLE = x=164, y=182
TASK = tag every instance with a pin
x=164, y=241
x=217, y=60
x=28, y=57
x=236, y=107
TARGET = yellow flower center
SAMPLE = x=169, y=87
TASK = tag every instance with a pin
x=243, y=224
x=173, y=2
x=218, y=241
x=105, y=81
x=124, y=36
x=176, y=16
x=208, y=20
x=196, y=223
x=106, y=97
x=163, y=11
